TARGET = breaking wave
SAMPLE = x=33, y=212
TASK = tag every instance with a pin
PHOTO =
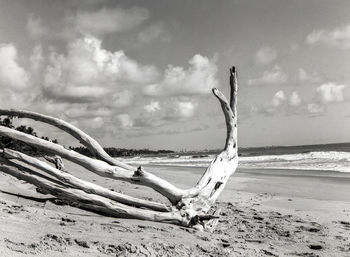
x=330, y=160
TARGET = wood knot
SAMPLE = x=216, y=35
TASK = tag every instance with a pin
x=137, y=174
x=218, y=184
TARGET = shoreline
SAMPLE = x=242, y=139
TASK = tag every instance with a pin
x=262, y=215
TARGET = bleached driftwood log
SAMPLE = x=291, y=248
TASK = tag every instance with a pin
x=188, y=207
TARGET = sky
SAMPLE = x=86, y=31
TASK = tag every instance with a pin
x=139, y=74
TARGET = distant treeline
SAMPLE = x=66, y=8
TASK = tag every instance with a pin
x=119, y=152
x=6, y=142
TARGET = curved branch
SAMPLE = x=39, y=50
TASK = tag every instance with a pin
x=94, y=202
x=81, y=184
x=230, y=111
x=233, y=90
x=90, y=143
x=101, y=168
x=199, y=199
x=229, y=119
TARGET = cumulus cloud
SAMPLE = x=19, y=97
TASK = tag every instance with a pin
x=278, y=99
x=184, y=109
x=293, y=103
x=294, y=99
x=304, y=76
x=199, y=78
x=265, y=55
x=158, y=113
x=107, y=21
x=12, y=75
x=153, y=106
x=274, y=76
x=281, y=101
x=125, y=120
x=331, y=92
x=337, y=37
x=88, y=71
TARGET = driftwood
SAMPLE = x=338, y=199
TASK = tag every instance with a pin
x=188, y=207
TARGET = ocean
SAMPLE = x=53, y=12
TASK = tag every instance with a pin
x=334, y=157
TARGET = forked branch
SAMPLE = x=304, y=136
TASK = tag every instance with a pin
x=191, y=207
x=97, y=166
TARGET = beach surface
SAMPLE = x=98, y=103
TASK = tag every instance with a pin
x=264, y=212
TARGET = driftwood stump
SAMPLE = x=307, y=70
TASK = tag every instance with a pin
x=188, y=207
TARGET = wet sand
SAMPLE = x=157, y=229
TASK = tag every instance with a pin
x=264, y=213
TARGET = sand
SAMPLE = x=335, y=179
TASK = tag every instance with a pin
x=264, y=213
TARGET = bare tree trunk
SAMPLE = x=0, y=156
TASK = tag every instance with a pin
x=189, y=207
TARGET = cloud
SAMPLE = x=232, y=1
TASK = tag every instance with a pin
x=294, y=99
x=293, y=103
x=199, y=78
x=265, y=55
x=162, y=112
x=91, y=123
x=10, y=99
x=35, y=26
x=89, y=72
x=304, y=76
x=184, y=109
x=153, y=106
x=85, y=111
x=278, y=99
x=337, y=37
x=36, y=59
x=153, y=32
x=122, y=98
x=95, y=22
x=331, y=92
x=314, y=108
x=12, y=75
x=125, y=120
x=274, y=76
x=86, y=2
x=106, y=21
x=290, y=103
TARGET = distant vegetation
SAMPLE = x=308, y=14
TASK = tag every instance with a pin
x=6, y=142
x=120, y=152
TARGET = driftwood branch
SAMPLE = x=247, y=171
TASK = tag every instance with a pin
x=190, y=207
x=99, y=167
x=94, y=202
x=75, y=182
x=94, y=147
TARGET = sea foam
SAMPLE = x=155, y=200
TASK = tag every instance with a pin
x=330, y=160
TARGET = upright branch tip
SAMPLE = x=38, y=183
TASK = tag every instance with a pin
x=233, y=70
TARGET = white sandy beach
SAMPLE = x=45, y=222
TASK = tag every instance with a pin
x=265, y=212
